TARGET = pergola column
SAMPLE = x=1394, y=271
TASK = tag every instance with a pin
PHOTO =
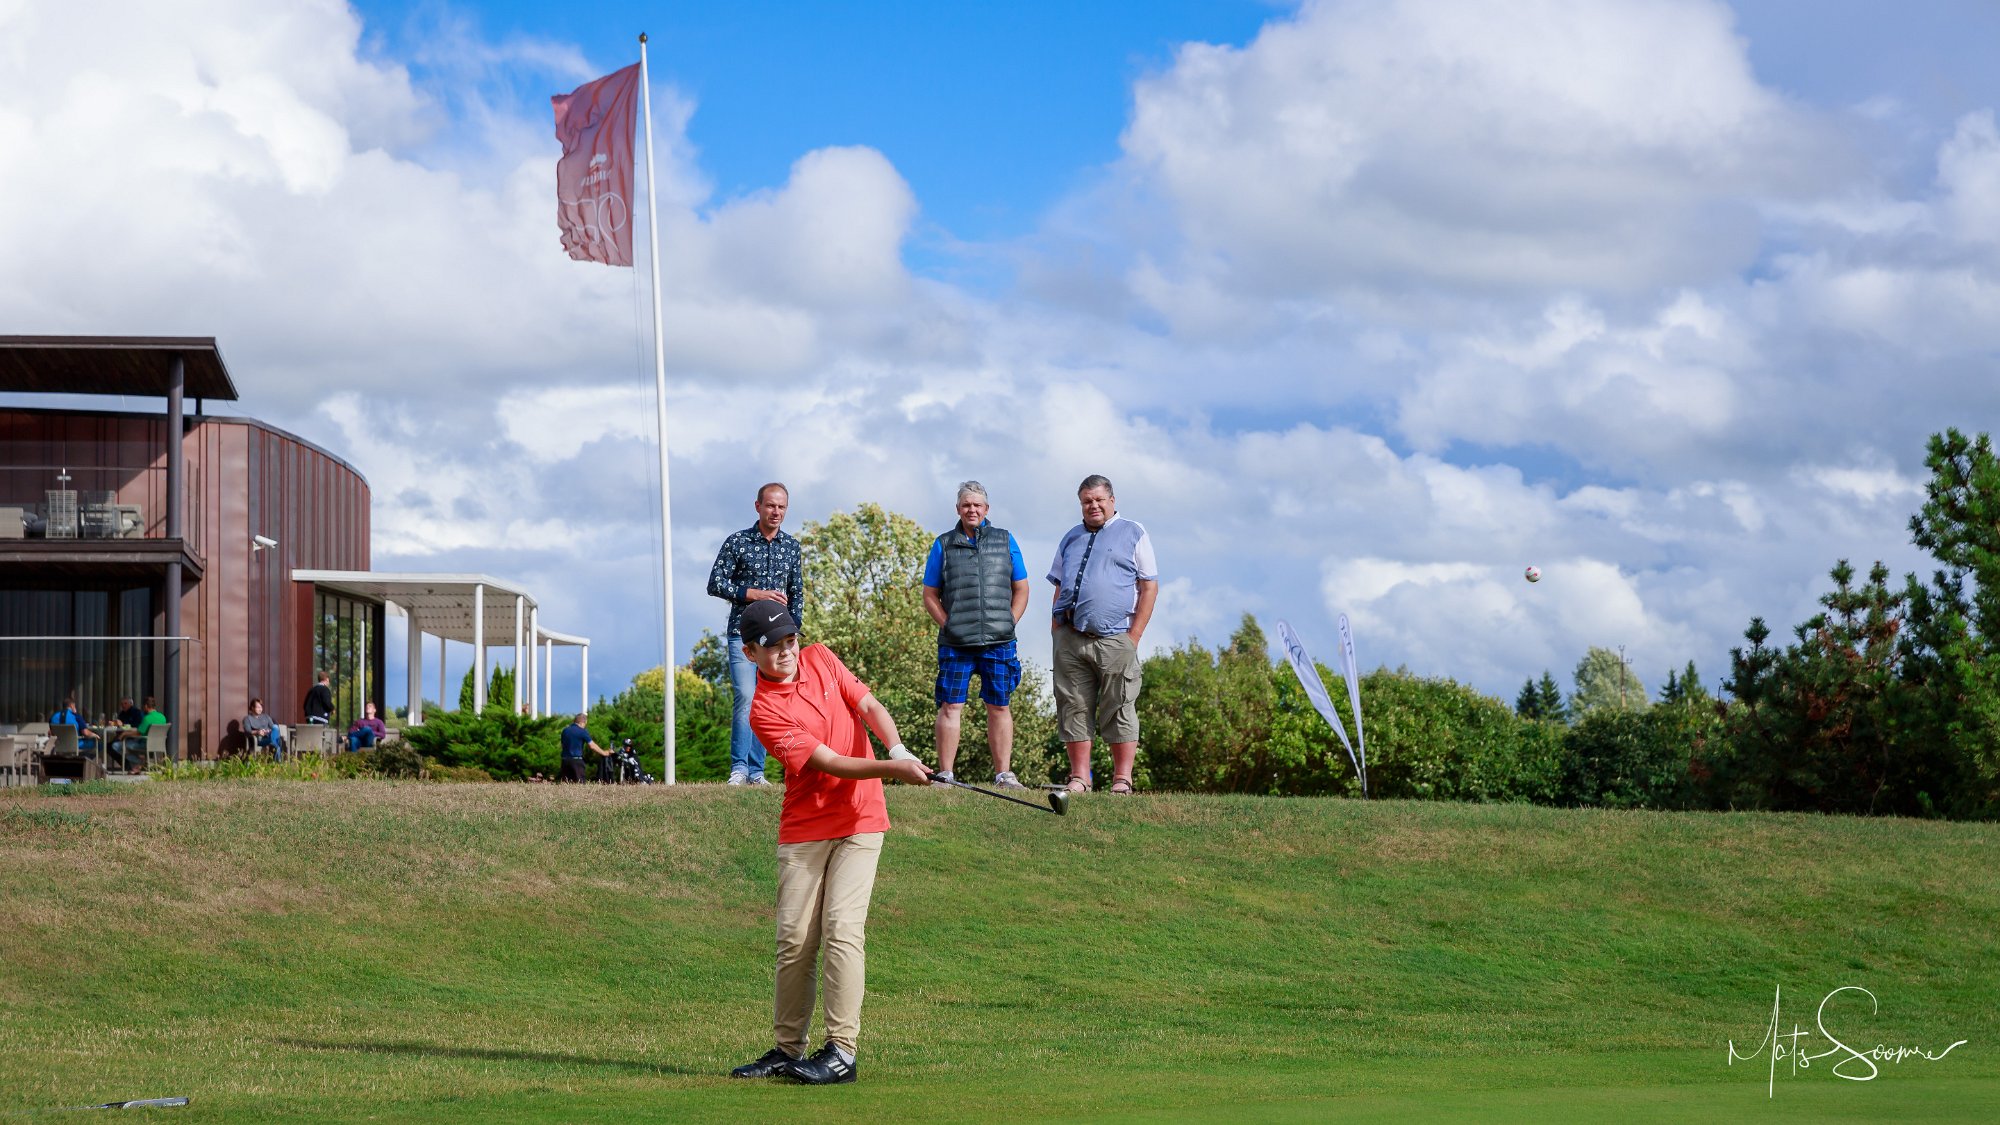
x=415, y=671
x=520, y=609
x=548, y=676
x=534, y=666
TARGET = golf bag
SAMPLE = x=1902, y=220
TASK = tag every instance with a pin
x=623, y=768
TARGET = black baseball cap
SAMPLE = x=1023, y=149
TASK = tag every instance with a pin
x=767, y=623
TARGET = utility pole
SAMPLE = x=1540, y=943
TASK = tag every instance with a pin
x=1624, y=670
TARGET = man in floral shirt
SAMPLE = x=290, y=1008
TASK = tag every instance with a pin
x=759, y=563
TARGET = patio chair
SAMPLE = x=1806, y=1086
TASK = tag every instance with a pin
x=17, y=759
x=156, y=743
x=312, y=738
x=64, y=744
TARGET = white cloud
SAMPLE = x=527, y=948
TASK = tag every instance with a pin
x=1551, y=144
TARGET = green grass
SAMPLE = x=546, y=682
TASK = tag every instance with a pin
x=411, y=952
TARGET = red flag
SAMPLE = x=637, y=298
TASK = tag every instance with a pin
x=594, y=176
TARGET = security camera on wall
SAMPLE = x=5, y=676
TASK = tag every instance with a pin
x=263, y=542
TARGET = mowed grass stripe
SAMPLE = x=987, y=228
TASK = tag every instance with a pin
x=421, y=952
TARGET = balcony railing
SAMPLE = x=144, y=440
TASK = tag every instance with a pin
x=40, y=501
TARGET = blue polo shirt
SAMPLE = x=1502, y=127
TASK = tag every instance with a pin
x=575, y=740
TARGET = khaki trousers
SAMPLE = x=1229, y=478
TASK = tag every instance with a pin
x=823, y=892
x=1096, y=678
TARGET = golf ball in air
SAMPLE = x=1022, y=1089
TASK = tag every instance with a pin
x=1532, y=574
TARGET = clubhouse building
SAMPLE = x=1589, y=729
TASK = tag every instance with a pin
x=204, y=560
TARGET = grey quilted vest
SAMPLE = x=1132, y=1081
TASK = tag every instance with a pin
x=976, y=584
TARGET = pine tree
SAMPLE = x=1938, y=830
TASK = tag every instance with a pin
x=1552, y=699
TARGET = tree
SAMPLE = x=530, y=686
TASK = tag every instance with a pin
x=1816, y=724
x=1603, y=679
x=1685, y=689
x=499, y=691
x=1541, y=700
x=702, y=715
x=1955, y=636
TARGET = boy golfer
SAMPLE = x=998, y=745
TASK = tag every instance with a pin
x=809, y=712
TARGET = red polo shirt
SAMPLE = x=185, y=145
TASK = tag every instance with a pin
x=818, y=708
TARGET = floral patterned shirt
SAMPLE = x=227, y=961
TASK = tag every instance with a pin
x=748, y=561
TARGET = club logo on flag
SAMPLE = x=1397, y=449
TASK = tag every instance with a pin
x=594, y=177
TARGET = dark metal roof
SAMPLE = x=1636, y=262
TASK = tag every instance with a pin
x=112, y=365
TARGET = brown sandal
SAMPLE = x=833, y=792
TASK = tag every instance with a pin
x=1078, y=784
x=1122, y=786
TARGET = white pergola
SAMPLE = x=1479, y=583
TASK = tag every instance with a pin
x=476, y=609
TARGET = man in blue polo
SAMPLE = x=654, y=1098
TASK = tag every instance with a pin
x=976, y=589
x=1106, y=583
x=575, y=740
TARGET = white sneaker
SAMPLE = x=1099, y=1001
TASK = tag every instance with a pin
x=758, y=779
x=739, y=777
x=1005, y=779
x=942, y=779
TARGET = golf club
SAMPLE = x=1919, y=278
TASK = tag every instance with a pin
x=1058, y=801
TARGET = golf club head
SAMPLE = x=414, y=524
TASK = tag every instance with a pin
x=1059, y=802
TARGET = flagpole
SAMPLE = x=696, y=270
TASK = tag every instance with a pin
x=660, y=389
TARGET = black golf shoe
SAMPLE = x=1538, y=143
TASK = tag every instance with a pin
x=774, y=1063
x=823, y=1067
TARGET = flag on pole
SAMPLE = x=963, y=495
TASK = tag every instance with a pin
x=1308, y=674
x=594, y=176
x=1351, y=672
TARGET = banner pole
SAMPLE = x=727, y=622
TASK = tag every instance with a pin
x=660, y=389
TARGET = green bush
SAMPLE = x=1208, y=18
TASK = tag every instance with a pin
x=505, y=745
x=1435, y=739
x=1619, y=759
x=1205, y=719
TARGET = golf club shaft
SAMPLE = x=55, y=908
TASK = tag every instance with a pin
x=991, y=793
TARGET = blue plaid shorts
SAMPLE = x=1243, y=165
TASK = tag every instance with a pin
x=999, y=668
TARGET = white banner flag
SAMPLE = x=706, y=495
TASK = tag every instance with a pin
x=1350, y=672
x=1302, y=667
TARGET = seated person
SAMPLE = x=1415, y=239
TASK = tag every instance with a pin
x=367, y=730
x=148, y=719
x=124, y=731
x=86, y=735
x=262, y=731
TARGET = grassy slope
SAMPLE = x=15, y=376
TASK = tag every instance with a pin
x=424, y=953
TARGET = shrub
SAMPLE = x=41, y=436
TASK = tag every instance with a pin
x=1436, y=739
x=505, y=745
x=1614, y=758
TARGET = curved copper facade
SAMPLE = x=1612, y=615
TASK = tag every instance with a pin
x=252, y=624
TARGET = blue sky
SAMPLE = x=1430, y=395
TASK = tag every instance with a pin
x=1364, y=304
x=991, y=111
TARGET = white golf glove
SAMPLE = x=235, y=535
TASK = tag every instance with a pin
x=897, y=753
